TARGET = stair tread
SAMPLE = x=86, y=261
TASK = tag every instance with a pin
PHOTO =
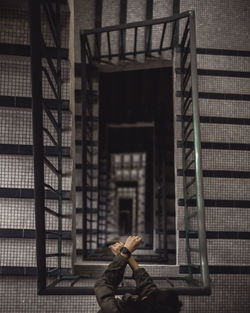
x=19, y=149
x=24, y=50
x=26, y=103
x=28, y=193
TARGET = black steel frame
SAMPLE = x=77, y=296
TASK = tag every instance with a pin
x=47, y=69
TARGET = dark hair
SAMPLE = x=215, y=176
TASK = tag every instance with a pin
x=159, y=301
x=165, y=301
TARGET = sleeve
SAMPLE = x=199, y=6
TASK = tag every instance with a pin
x=109, y=281
x=144, y=283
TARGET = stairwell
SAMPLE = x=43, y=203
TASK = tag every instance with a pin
x=223, y=68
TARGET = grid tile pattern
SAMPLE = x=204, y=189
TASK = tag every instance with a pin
x=220, y=252
x=214, y=30
x=14, y=25
x=15, y=78
x=20, y=214
x=18, y=172
x=213, y=17
x=16, y=250
x=16, y=127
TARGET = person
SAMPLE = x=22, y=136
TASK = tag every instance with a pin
x=149, y=297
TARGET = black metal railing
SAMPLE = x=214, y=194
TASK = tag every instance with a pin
x=158, y=28
x=46, y=74
x=50, y=276
x=156, y=41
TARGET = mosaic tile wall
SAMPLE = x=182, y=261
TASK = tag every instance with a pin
x=220, y=25
x=17, y=225
x=225, y=148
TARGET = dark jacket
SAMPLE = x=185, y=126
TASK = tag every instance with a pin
x=109, y=281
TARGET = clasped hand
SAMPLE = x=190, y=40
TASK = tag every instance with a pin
x=131, y=244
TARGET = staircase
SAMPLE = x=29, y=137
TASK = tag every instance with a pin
x=18, y=229
x=223, y=70
x=97, y=49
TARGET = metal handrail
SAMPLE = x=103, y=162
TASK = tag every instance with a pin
x=97, y=55
x=157, y=21
x=197, y=149
x=194, y=125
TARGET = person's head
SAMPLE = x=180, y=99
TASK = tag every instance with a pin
x=161, y=301
x=167, y=301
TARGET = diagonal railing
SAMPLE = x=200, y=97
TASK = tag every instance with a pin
x=46, y=74
x=191, y=146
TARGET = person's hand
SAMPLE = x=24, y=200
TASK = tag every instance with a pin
x=132, y=243
x=115, y=248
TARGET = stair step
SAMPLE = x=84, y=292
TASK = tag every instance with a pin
x=218, y=96
x=217, y=120
x=78, y=118
x=31, y=234
x=78, y=95
x=217, y=145
x=18, y=270
x=14, y=149
x=28, y=193
x=89, y=210
x=93, y=143
x=89, y=231
x=221, y=73
x=24, y=50
x=26, y=103
x=88, y=188
x=89, y=166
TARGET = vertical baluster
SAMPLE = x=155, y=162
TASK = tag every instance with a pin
x=162, y=37
x=97, y=46
x=122, y=43
x=185, y=195
x=135, y=41
x=109, y=46
x=38, y=149
x=84, y=146
x=148, y=40
x=59, y=140
x=173, y=34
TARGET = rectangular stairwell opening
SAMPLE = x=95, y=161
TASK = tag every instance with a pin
x=135, y=164
x=143, y=126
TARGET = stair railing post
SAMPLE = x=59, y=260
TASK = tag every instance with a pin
x=59, y=112
x=84, y=146
x=38, y=149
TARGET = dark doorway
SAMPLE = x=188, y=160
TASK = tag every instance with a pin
x=125, y=216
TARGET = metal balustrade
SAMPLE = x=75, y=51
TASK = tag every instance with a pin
x=92, y=43
x=191, y=129
x=47, y=70
x=90, y=54
x=192, y=186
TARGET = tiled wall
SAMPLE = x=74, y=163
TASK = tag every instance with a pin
x=17, y=226
x=221, y=25
x=225, y=159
